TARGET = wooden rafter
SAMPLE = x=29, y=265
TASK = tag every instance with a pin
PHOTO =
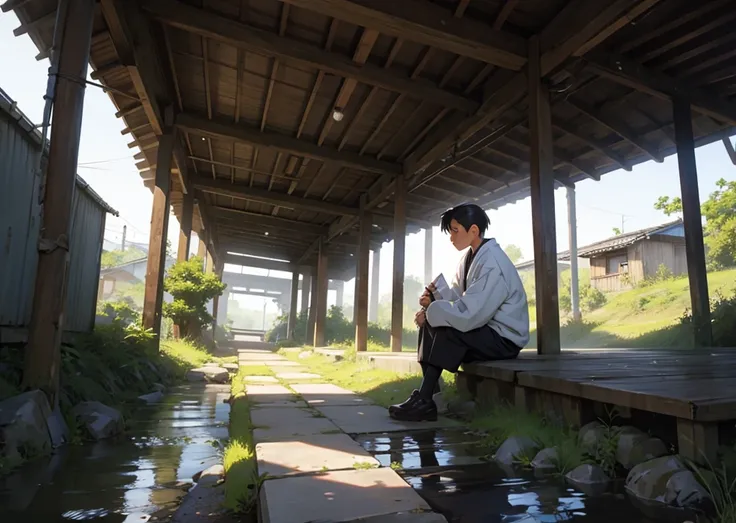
x=427, y=24
x=593, y=143
x=239, y=35
x=504, y=13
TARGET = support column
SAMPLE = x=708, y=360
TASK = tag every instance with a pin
x=397, y=297
x=375, y=275
x=293, y=305
x=311, y=319
x=154, y=291
x=222, y=308
x=43, y=353
x=185, y=231
x=321, y=301
x=694, y=248
x=428, y=274
x=361, y=284
x=201, y=247
x=542, y=183
x=306, y=287
x=217, y=268
x=572, y=224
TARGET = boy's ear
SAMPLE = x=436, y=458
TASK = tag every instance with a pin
x=475, y=228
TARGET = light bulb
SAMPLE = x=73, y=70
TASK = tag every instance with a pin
x=338, y=115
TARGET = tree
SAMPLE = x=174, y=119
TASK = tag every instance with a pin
x=719, y=211
x=118, y=257
x=667, y=206
x=191, y=289
x=616, y=231
x=513, y=252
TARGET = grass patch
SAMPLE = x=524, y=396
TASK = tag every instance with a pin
x=383, y=387
x=241, y=470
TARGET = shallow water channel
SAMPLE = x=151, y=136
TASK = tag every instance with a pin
x=139, y=476
x=448, y=469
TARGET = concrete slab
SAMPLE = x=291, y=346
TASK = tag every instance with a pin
x=261, y=379
x=327, y=394
x=278, y=424
x=298, y=376
x=311, y=454
x=284, y=363
x=263, y=356
x=372, y=418
x=270, y=394
x=255, y=363
x=338, y=496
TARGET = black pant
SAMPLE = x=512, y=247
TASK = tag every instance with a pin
x=447, y=348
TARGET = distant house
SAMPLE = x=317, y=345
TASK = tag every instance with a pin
x=619, y=262
x=563, y=264
x=120, y=277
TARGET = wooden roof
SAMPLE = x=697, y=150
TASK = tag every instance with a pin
x=434, y=89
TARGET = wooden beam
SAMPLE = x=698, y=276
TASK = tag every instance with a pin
x=636, y=76
x=39, y=23
x=185, y=229
x=692, y=220
x=322, y=288
x=267, y=219
x=504, y=13
x=595, y=144
x=577, y=23
x=542, y=184
x=312, y=316
x=280, y=142
x=399, y=236
x=43, y=352
x=429, y=25
x=154, y=290
x=242, y=36
x=730, y=150
x=619, y=127
x=245, y=192
x=259, y=263
x=361, y=283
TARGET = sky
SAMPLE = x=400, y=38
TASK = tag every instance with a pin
x=107, y=164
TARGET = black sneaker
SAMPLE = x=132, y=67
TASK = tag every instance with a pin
x=409, y=401
x=419, y=410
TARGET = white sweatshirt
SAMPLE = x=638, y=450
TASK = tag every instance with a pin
x=494, y=297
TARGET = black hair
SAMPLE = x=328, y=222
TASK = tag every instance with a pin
x=467, y=215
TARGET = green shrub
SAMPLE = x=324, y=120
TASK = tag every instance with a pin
x=591, y=298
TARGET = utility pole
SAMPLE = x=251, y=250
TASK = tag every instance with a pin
x=122, y=244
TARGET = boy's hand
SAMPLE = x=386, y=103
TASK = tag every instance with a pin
x=419, y=318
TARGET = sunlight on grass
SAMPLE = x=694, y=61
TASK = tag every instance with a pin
x=383, y=387
x=190, y=355
x=241, y=470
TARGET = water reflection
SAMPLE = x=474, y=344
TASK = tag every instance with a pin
x=449, y=470
x=137, y=477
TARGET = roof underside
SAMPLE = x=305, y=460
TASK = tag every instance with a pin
x=434, y=89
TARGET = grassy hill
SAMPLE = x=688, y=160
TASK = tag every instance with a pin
x=644, y=316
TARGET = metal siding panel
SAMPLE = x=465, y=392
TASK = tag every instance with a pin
x=84, y=261
x=19, y=222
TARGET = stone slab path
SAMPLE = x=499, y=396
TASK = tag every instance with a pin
x=316, y=470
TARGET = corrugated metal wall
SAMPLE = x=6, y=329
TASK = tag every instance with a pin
x=19, y=230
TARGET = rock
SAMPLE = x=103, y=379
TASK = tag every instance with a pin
x=592, y=435
x=100, y=420
x=305, y=354
x=635, y=446
x=515, y=447
x=23, y=427
x=153, y=397
x=666, y=482
x=439, y=400
x=545, y=460
x=58, y=429
x=209, y=476
x=461, y=408
x=209, y=374
x=159, y=387
x=589, y=479
x=231, y=367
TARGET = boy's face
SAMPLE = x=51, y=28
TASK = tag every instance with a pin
x=460, y=237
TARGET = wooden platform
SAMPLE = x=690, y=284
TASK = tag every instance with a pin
x=697, y=387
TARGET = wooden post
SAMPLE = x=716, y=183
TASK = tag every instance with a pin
x=572, y=224
x=322, y=287
x=694, y=248
x=428, y=275
x=306, y=286
x=218, y=267
x=185, y=231
x=293, y=305
x=202, y=247
x=397, y=298
x=542, y=183
x=154, y=292
x=361, y=283
x=309, y=339
x=373, y=295
x=43, y=352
